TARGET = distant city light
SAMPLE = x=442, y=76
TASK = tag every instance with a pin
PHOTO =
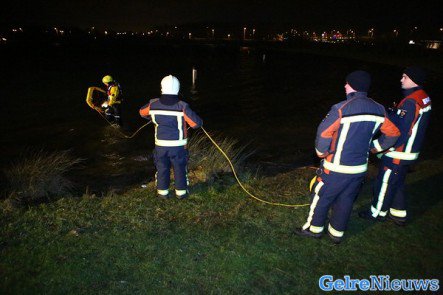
x=433, y=44
x=345, y=35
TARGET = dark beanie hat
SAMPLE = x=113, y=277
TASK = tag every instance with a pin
x=359, y=80
x=416, y=74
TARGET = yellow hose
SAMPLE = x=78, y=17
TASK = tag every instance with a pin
x=240, y=183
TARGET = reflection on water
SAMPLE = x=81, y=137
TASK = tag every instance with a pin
x=272, y=99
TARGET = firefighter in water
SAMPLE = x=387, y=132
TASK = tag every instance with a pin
x=343, y=142
x=171, y=117
x=112, y=106
x=411, y=116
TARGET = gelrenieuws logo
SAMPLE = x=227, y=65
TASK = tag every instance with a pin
x=377, y=283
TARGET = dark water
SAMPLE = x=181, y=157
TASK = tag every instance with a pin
x=274, y=105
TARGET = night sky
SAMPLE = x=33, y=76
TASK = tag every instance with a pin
x=139, y=14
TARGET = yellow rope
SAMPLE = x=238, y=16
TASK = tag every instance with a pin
x=121, y=133
x=240, y=183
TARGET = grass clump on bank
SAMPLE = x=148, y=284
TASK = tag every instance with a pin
x=206, y=162
x=40, y=176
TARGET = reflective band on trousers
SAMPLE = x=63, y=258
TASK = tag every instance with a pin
x=311, y=211
x=382, y=194
x=379, y=213
x=316, y=229
x=180, y=192
x=334, y=232
x=162, y=192
x=181, y=142
x=402, y=155
x=345, y=169
x=397, y=213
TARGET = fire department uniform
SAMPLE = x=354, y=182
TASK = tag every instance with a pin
x=411, y=116
x=344, y=138
x=171, y=118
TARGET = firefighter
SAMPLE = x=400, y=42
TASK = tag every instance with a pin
x=112, y=106
x=411, y=116
x=343, y=142
x=171, y=117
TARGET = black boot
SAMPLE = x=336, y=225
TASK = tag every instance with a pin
x=367, y=214
x=400, y=221
x=307, y=233
x=334, y=239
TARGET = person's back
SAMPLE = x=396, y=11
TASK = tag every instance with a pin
x=171, y=117
x=357, y=120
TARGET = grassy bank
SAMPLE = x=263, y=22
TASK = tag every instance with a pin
x=218, y=241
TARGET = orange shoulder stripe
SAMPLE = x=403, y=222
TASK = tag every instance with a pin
x=389, y=129
x=145, y=112
x=189, y=121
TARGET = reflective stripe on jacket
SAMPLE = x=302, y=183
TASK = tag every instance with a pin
x=171, y=118
x=412, y=117
x=344, y=136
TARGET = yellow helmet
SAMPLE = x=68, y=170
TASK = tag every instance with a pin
x=107, y=79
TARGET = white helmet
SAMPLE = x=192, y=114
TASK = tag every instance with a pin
x=170, y=85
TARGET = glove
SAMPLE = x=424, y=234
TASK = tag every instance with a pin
x=105, y=104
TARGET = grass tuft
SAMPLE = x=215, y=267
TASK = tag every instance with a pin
x=207, y=163
x=39, y=176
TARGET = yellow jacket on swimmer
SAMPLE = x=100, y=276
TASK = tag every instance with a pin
x=113, y=90
x=113, y=104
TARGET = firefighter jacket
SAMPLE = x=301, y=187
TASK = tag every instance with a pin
x=171, y=118
x=114, y=93
x=344, y=136
x=412, y=117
